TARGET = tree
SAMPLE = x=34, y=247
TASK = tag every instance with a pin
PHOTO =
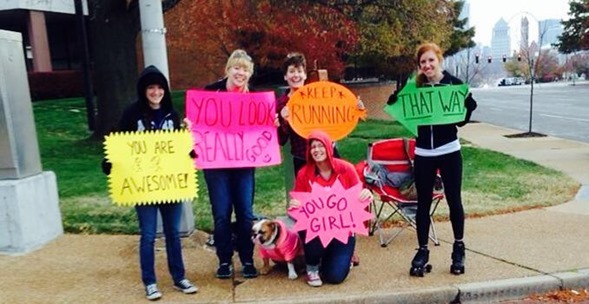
x=517, y=69
x=113, y=28
x=533, y=57
x=267, y=30
x=578, y=64
x=547, y=68
x=461, y=38
x=575, y=36
x=390, y=31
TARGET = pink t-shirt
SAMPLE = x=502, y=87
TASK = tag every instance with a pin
x=288, y=246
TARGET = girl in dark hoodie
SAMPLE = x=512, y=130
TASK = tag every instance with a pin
x=324, y=169
x=153, y=110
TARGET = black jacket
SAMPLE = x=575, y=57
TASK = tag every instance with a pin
x=139, y=116
x=433, y=136
x=220, y=86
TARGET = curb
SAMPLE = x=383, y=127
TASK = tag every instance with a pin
x=507, y=289
x=479, y=292
x=514, y=289
x=444, y=295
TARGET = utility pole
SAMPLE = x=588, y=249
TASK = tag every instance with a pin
x=85, y=58
x=153, y=35
x=467, y=65
x=533, y=76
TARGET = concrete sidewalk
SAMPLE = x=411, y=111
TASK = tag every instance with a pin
x=508, y=256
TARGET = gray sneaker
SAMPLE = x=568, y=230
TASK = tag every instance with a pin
x=152, y=293
x=185, y=286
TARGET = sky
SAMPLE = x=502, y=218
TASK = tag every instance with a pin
x=485, y=13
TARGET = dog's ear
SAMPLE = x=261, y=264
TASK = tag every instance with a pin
x=272, y=226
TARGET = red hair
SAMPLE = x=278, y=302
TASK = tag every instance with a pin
x=424, y=48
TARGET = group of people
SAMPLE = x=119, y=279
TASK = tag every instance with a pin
x=315, y=161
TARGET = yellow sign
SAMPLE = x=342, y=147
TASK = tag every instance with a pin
x=151, y=167
x=326, y=106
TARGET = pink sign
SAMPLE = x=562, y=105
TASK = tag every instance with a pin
x=233, y=129
x=330, y=212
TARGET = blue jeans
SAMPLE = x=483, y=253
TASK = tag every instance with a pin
x=229, y=189
x=147, y=216
x=334, y=260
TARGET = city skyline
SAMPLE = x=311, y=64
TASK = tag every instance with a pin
x=485, y=14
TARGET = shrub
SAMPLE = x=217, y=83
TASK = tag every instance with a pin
x=56, y=84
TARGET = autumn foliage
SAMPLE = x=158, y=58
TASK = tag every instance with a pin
x=202, y=34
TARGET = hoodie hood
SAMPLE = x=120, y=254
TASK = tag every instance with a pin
x=151, y=75
x=323, y=138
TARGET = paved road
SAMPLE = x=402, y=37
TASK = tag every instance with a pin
x=559, y=109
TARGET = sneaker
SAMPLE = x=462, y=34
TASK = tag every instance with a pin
x=313, y=278
x=355, y=259
x=185, y=286
x=249, y=271
x=152, y=293
x=210, y=241
x=225, y=271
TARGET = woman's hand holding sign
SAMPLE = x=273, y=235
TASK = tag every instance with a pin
x=365, y=195
x=293, y=203
x=360, y=104
x=284, y=113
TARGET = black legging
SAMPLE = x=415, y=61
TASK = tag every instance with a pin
x=450, y=166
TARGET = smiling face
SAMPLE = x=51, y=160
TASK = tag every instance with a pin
x=154, y=94
x=295, y=76
x=429, y=65
x=237, y=78
x=318, y=151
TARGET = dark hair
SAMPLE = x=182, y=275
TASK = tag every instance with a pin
x=296, y=59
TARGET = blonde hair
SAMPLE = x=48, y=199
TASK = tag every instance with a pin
x=242, y=59
x=424, y=48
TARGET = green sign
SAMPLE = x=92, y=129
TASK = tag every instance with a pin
x=429, y=105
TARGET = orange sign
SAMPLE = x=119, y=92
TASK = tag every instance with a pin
x=326, y=106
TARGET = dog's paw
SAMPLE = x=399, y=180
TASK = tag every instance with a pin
x=292, y=275
x=264, y=270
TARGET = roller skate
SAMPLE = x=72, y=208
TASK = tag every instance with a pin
x=457, y=266
x=419, y=265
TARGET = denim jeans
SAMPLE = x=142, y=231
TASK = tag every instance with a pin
x=230, y=189
x=334, y=260
x=147, y=216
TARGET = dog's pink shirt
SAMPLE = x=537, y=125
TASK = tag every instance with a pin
x=288, y=246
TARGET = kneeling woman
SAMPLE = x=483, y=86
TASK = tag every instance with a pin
x=322, y=168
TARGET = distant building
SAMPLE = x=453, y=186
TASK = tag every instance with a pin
x=500, y=41
x=549, y=30
x=49, y=31
x=525, y=33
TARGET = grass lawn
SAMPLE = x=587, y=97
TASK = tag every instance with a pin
x=493, y=182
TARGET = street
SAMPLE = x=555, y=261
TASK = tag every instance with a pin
x=559, y=109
